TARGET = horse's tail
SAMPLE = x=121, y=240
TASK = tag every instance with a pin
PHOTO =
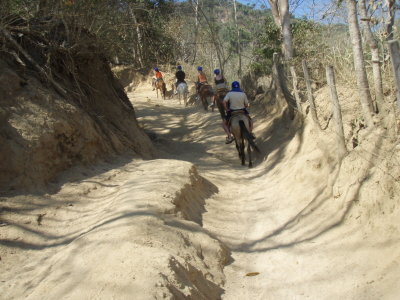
x=247, y=135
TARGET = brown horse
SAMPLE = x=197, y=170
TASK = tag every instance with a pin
x=239, y=126
x=160, y=85
x=218, y=99
x=205, y=92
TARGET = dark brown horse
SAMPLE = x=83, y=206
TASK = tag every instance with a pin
x=205, y=92
x=218, y=99
x=160, y=85
x=239, y=126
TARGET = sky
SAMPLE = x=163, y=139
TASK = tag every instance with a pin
x=317, y=10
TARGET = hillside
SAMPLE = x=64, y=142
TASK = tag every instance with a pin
x=75, y=112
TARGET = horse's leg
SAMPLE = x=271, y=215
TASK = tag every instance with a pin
x=238, y=149
x=214, y=101
x=185, y=98
x=204, y=101
x=242, y=148
x=249, y=154
x=157, y=91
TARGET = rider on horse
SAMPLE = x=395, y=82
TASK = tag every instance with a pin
x=220, y=86
x=201, y=79
x=157, y=77
x=236, y=101
x=180, y=77
x=220, y=82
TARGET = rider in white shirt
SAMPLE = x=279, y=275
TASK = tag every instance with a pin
x=236, y=100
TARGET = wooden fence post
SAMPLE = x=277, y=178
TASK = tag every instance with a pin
x=395, y=56
x=295, y=90
x=310, y=95
x=337, y=114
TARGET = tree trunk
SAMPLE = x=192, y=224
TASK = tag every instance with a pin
x=280, y=12
x=390, y=20
x=238, y=40
x=138, y=53
x=280, y=84
x=275, y=12
x=196, y=27
x=337, y=113
x=395, y=56
x=215, y=40
x=361, y=75
x=376, y=66
x=287, y=45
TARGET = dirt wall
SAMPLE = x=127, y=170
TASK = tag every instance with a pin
x=75, y=111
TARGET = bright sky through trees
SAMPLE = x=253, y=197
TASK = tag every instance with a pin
x=318, y=10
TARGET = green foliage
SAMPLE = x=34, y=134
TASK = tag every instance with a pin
x=307, y=38
x=308, y=41
x=266, y=45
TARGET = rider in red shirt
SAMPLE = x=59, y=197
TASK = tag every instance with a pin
x=157, y=76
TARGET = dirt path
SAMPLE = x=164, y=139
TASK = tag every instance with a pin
x=153, y=228
x=277, y=218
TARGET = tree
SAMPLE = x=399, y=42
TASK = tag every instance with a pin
x=238, y=40
x=390, y=20
x=376, y=66
x=361, y=75
x=280, y=12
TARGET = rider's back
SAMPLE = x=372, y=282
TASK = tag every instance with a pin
x=237, y=100
x=219, y=81
x=202, y=78
x=159, y=75
x=180, y=75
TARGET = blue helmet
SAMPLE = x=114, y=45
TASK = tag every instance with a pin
x=179, y=67
x=199, y=68
x=235, y=85
x=216, y=71
x=155, y=69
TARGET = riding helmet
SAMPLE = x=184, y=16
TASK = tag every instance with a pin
x=235, y=85
x=199, y=68
x=216, y=71
x=155, y=69
x=179, y=67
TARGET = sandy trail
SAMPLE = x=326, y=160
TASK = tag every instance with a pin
x=278, y=218
x=134, y=227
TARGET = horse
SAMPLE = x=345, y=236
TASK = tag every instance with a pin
x=219, y=98
x=182, y=90
x=160, y=85
x=170, y=93
x=205, y=92
x=239, y=126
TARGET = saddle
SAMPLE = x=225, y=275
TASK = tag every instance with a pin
x=205, y=87
x=237, y=113
x=221, y=92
